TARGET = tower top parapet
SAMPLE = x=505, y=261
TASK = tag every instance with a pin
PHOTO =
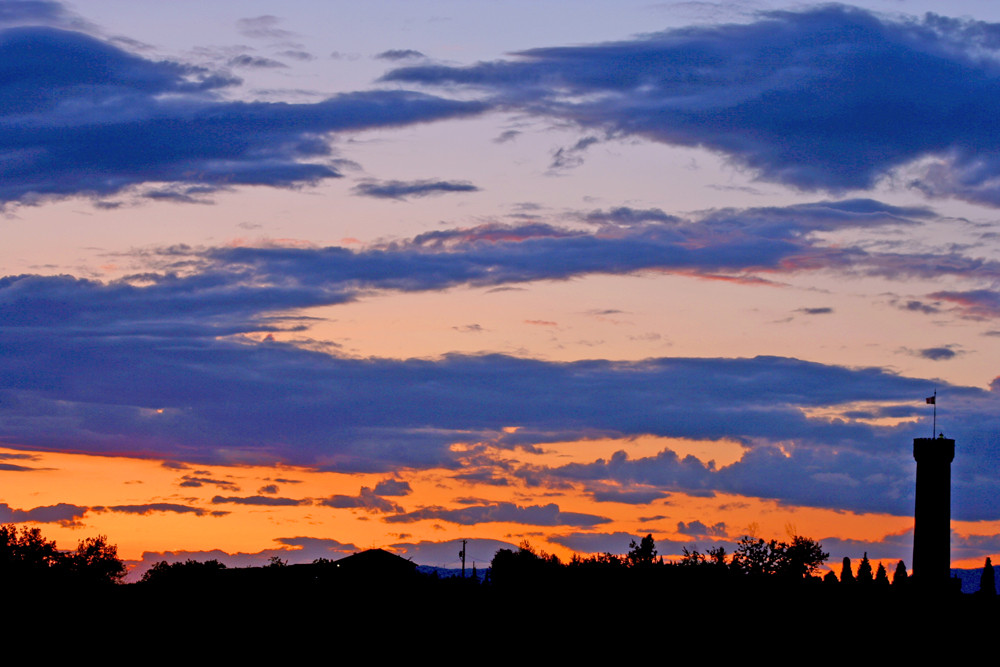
x=934, y=449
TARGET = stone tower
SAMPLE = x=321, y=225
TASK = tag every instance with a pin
x=932, y=513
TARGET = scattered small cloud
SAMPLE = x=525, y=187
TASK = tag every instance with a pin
x=392, y=487
x=255, y=62
x=367, y=500
x=159, y=507
x=262, y=27
x=506, y=135
x=625, y=216
x=607, y=494
x=699, y=529
x=400, y=54
x=260, y=500
x=938, y=353
x=917, y=306
x=295, y=54
x=13, y=467
x=402, y=190
x=572, y=156
x=62, y=513
x=194, y=482
x=533, y=515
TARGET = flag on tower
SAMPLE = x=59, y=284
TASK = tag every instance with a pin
x=932, y=400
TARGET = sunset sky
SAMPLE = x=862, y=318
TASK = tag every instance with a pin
x=309, y=277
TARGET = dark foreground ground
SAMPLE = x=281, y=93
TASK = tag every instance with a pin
x=265, y=618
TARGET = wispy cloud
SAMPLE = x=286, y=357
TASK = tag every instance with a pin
x=97, y=120
x=406, y=189
x=62, y=513
x=368, y=500
x=399, y=54
x=267, y=501
x=533, y=515
x=150, y=508
x=750, y=90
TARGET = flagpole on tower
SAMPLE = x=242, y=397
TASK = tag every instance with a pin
x=933, y=401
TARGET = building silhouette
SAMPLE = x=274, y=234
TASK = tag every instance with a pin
x=932, y=512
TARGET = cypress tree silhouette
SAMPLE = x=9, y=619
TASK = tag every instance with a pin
x=899, y=577
x=865, y=570
x=881, y=577
x=988, y=582
x=846, y=574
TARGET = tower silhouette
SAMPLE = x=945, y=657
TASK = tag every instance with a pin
x=932, y=512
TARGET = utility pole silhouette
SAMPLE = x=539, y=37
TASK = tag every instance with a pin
x=461, y=554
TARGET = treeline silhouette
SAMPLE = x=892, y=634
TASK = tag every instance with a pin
x=774, y=583
x=28, y=559
x=756, y=565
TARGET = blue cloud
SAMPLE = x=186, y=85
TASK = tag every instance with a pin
x=157, y=359
x=149, y=508
x=533, y=515
x=255, y=62
x=938, y=353
x=393, y=487
x=605, y=494
x=830, y=97
x=698, y=529
x=367, y=500
x=79, y=116
x=37, y=12
x=263, y=27
x=404, y=189
x=399, y=54
x=62, y=513
x=260, y=500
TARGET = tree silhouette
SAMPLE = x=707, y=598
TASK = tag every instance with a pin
x=522, y=567
x=900, y=576
x=754, y=556
x=693, y=558
x=642, y=554
x=797, y=560
x=96, y=561
x=801, y=558
x=25, y=554
x=865, y=570
x=881, y=577
x=987, y=582
x=189, y=572
x=717, y=556
x=846, y=574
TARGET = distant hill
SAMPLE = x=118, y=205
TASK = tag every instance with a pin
x=970, y=578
